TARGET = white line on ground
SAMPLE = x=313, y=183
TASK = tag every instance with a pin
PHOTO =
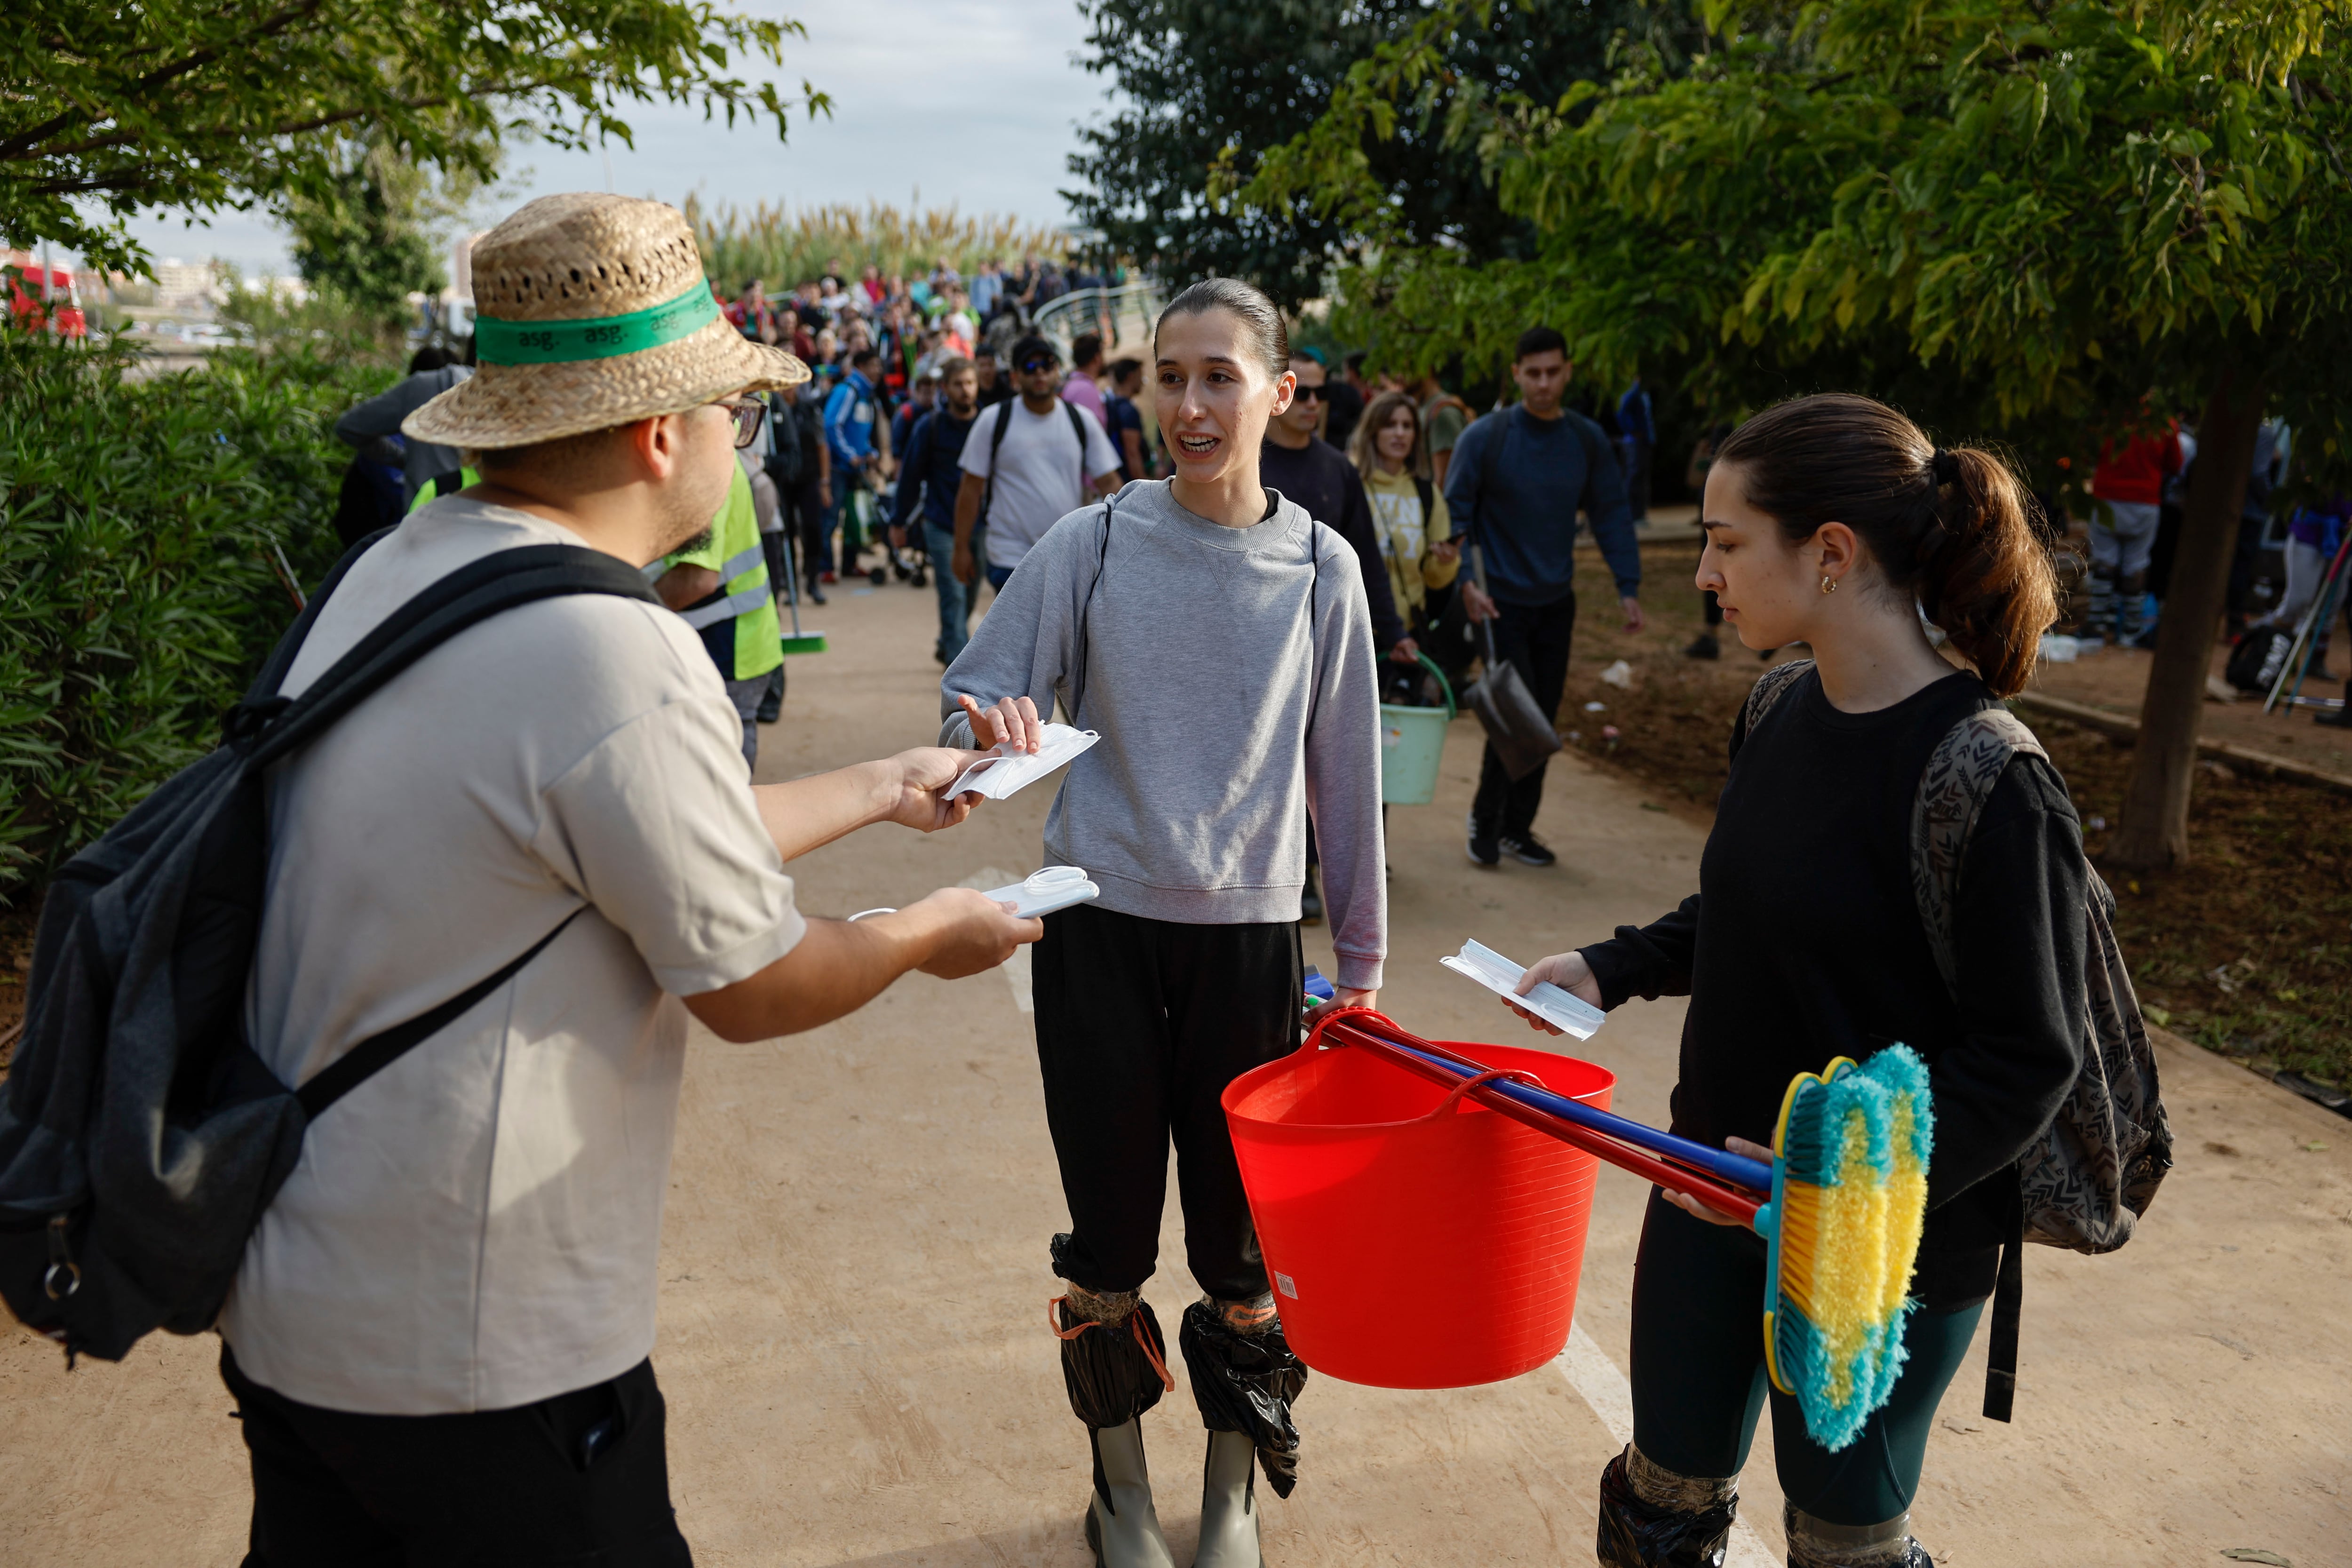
x=1595, y=1377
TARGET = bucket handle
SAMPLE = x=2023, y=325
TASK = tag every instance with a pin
x=1444, y=685
x=1475, y=1081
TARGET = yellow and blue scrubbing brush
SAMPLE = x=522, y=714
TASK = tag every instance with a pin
x=1841, y=1204
x=1849, y=1198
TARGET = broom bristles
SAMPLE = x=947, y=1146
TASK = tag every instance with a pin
x=1853, y=1147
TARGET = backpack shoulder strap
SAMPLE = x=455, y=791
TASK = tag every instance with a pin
x=1427, y=492
x=476, y=592
x=996, y=445
x=281, y=658
x=1078, y=428
x=1767, y=690
x=1958, y=781
x=377, y=1052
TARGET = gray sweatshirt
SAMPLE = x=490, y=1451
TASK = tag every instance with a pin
x=1223, y=721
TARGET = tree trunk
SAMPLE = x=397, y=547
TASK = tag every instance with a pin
x=2154, y=833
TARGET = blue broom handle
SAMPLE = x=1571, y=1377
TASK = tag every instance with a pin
x=1720, y=1164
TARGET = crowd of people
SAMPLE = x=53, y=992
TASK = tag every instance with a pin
x=582, y=769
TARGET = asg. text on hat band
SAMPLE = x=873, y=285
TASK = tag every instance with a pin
x=595, y=337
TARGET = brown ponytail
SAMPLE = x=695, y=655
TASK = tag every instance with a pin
x=1947, y=528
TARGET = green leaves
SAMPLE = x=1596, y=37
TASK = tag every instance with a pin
x=137, y=588
x=2039, y=208
x=213, y=103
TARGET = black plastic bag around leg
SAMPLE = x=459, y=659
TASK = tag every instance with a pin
x=1115, y=1372
x=1638, y=1534
x=1246, y=1383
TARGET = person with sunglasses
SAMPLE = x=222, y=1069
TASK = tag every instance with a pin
x=1318, y=477
x=1028, y=462
x=719, y=584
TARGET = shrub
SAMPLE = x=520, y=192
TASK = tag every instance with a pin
x=139, y=521
x=784, y=250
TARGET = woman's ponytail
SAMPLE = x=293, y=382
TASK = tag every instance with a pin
x=1987, y=581
x=1947, y=528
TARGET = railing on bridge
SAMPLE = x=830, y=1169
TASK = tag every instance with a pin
x=1120, y=315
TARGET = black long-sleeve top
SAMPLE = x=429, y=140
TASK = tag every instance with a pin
x=1804, y=942
x=1319, y=478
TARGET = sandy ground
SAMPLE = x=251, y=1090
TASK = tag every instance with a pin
x=855, y=1275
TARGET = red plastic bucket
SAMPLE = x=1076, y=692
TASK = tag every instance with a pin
x=1415, y=1241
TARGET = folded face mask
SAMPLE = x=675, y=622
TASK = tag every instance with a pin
x=1007, y=771
x=1562, y=1009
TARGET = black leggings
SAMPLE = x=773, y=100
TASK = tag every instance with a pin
x=1140, y=1025
x=1698, y=1376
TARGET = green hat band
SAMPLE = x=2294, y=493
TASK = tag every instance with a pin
x=595, y=337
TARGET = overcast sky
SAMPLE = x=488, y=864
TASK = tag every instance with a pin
x=975, y=101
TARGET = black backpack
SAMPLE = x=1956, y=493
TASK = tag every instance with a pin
x=141, y=1136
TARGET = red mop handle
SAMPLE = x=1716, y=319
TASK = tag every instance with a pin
x=1674, y=1178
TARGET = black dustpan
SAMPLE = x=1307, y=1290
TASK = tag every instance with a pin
x=1518, y=729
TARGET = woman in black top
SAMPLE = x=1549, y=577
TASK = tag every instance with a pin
x=1835, y=523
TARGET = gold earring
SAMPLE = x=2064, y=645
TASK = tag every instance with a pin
x=1829, y=584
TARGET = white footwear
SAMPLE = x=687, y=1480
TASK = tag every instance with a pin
x=1122, y=1526
x=1229, y=1518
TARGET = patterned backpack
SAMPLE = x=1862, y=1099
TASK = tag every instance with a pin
x=2085, y=1183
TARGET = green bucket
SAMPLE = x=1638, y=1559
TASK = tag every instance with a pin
x=1412, y=741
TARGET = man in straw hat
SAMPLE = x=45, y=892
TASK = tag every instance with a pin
x=438, y=1336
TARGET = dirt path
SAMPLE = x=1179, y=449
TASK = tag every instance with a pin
x=855, y=1276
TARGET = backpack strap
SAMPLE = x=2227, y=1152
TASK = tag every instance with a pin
x=1427, y=492
x=1078, y=428
x=1953, y=789
x=1767, y=690
x=476, y=592
x=996, y=445
x=1959, y=778
x=377, y=1052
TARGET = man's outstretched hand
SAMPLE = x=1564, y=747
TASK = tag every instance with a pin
x=923, y=775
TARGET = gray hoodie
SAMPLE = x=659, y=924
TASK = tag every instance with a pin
x=1223, y=721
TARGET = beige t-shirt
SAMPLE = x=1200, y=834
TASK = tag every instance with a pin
x=476, y=1227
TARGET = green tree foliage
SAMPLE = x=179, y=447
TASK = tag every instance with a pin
x=1205, y=84
x=205, y=104
x=2035, y=211
x=139, y=526
x=368, y=237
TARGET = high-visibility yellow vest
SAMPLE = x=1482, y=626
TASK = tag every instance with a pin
x=738, y=623
x=444, y=485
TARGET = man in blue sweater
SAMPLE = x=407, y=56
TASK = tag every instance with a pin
x=1519, y=477
x=850, y=417
x=929, y=475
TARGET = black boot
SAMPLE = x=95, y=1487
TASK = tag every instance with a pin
x=1688, y=1526
x=1705, y=647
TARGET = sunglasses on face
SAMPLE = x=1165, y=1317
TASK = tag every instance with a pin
x=1036, y=366
x=747, y=415
x=1307, y=394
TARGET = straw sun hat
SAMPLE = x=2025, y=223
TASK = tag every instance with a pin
x=591, y=310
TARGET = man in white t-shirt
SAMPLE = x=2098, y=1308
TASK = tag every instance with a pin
x=438, y=1336
x=1029, y=462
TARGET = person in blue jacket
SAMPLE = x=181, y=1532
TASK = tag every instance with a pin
x=850, y=416
x=929, y=475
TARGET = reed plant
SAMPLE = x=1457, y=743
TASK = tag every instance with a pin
x=784, y=248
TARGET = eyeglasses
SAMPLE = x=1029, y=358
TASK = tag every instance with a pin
x=1307, y=394
x=1033, y=366
x=747, y=415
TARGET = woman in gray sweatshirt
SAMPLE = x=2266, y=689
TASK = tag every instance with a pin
x=1217, y=639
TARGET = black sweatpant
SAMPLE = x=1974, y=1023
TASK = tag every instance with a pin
x=1536, y=642
x=581, y=1478
x=805, y=522
x=1140, y=1025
